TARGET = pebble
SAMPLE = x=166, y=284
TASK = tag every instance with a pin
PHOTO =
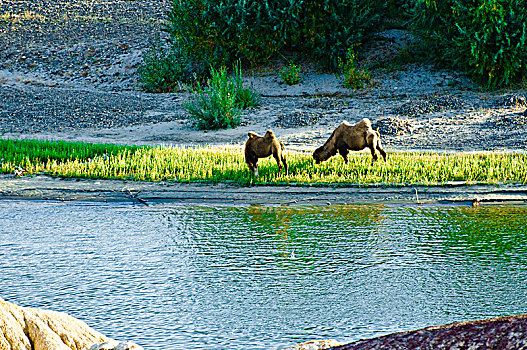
x=428, y=105
x=513, y=100
x=393, y=126
x=297, y=119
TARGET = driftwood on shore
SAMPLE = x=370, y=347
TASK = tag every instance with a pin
x=501, y=333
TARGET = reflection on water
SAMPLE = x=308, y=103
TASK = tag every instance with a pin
x=181, y=277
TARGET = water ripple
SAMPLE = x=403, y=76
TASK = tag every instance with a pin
x=179, y=277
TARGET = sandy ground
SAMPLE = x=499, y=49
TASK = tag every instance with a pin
x=416, y=108
x=150, y=193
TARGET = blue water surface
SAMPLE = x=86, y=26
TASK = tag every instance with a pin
x=193, y=277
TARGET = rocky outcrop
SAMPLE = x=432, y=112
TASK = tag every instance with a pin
x=23, y=328
x=501, y=333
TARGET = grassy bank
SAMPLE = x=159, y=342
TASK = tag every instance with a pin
x=208, y=164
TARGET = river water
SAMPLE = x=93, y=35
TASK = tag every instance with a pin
x=262, y=277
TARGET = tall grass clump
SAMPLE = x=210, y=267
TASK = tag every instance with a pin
x=219, y=105
x=486, y=38
x=209, y=164
x=245, y=97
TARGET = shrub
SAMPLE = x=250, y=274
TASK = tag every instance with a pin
x=354, y=78
x=220, y=32
x=163, y=68
x=220, y=104
x=330, y=27
x=215, y=107
x=290, y=74
x=486, y=38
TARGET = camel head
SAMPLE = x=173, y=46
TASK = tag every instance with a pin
x=321, y=155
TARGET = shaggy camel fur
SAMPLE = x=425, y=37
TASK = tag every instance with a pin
x=348, y=137
x=262, y=147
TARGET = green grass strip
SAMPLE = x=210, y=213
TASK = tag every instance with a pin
x=213, y=164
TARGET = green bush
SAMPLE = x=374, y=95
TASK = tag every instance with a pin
x=354, y=78
x=219, y=105
x=330, y=27
x=486, y=38
x=290, y=74
x=218, y=33
x=245, y=97
x=163, y=69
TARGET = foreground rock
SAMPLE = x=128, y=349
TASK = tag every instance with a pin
x=24, y=328
x=502, y=333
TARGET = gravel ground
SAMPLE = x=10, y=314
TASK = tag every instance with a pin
x=96, y=42
x=55, y=109
x=68, y=70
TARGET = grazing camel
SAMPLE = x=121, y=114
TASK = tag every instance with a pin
x=348, y=137
x=262, y=147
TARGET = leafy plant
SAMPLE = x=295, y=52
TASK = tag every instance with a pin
x=218, y=33
x=245, y=97
x=290, y=74
x=486, y=38
x=354, y=78
x=164, y=68
x=219, y=105
x=330, y=27
x=215, y=107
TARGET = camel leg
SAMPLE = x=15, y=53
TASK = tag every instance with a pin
x=285, y=165
x=277, y=158
x=381, y=150
x=344, y=153
x=373, y=154
x=252, y=162
x=372, y=141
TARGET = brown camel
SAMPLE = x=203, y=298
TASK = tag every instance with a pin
x=262, y=147
x=348, y=137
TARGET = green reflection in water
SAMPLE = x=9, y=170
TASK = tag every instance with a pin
x=491, y=230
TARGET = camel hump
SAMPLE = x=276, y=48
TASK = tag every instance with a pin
x=269, y=133
x=252, y=134
x=366, y=122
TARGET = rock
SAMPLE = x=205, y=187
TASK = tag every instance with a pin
x=315, y=345
x=327, y=103
x=501, y=333
x=35, y=329
x=508, y=121
x=296, y=119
